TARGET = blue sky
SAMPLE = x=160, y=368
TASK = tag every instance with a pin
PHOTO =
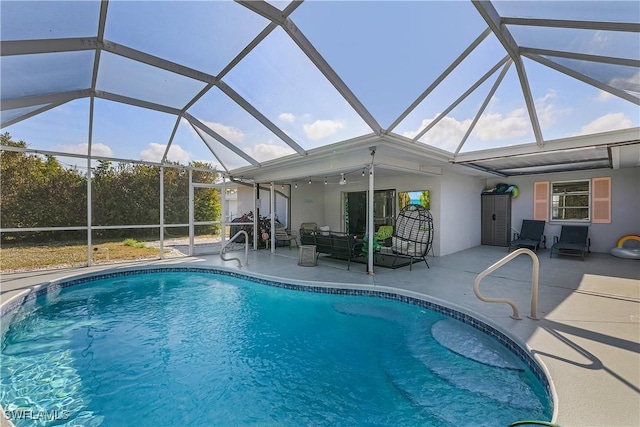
x=388, y=53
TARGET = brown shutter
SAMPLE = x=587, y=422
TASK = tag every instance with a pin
x=541, y=201
x=601, y=200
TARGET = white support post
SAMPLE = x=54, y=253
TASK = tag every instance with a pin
x=191, y=213
x=89, y=248
x=256, y=219
x=225, y=211
x=272, y=208
x=161, y=212
x=370, y=218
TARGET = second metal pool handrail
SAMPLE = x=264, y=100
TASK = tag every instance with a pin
x=246, y=248
x=534, y=283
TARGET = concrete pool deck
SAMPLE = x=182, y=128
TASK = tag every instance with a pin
x=587, y=338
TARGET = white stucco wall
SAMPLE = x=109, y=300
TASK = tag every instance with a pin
x=625, y=201
x=245, y=202
x=307, y=204
x=461, y=212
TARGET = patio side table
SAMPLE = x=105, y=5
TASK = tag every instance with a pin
x=308, y=256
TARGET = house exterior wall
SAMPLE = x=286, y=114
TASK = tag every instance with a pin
x=625, y=204
x=245, y=203
x=461, y=212
x=455, y=205
x=307, y=204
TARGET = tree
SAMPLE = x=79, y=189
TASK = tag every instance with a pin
x=37, y=191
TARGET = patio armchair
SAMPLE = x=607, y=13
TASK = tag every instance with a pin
x=384, y=234
x=308, y=232
x=573, y=240
x=531, y=236
x=283, y=236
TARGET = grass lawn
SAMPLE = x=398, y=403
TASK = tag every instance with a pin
x=23, y=257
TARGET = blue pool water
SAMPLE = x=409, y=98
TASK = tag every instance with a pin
x=205, y=349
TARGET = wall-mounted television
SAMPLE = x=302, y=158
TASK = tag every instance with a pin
x=417, y=197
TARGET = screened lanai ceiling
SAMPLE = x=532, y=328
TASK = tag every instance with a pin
x=243, y=85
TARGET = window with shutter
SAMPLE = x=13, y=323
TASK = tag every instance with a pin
x=601, y=200
x=541, y=201
x=570, y=201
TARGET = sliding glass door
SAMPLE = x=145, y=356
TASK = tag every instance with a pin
x=355, y=210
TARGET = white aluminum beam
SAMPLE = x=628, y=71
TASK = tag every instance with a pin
x=274, y=14
x=440, y=78
x=263, y=34
x=102, y=20
x=461, y=98
x=157, y=62
x=581, y=56
x=136, y=102
x=30, y=47
x=220, y=139
x=617, y=92
x=265, y=10
x=528, y=99
x=107, y=159
x=484, y=105
x=573, y=24
x=582, y=141
x=206, y=143
x=260, y=117
x=52, y=98
x=493, y=19
x=255, y=42
x=30, y=114
x=173, y=134
x=324, y=67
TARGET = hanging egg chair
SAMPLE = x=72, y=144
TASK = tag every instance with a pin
x=412, y=234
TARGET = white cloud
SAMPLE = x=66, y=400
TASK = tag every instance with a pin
x=99, y=150
x=155, y=152
x=603, y=96
x=287, y=117
x=322, y=128
x=447, y=134
x=229, y=133
x=608, y=122
x=262, y=152
x=495, y=126
x=449, y=131
x=547, y=111
x=629, y=84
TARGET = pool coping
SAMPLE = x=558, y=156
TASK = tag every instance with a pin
x=520, y=349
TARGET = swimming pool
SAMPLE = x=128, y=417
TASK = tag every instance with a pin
x=196, y=347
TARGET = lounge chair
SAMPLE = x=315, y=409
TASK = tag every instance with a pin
x=530, y=236
x=283, y=236
x=573, y=241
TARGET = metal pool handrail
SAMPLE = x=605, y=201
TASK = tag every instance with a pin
x=534, y=282
x=246, y=248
